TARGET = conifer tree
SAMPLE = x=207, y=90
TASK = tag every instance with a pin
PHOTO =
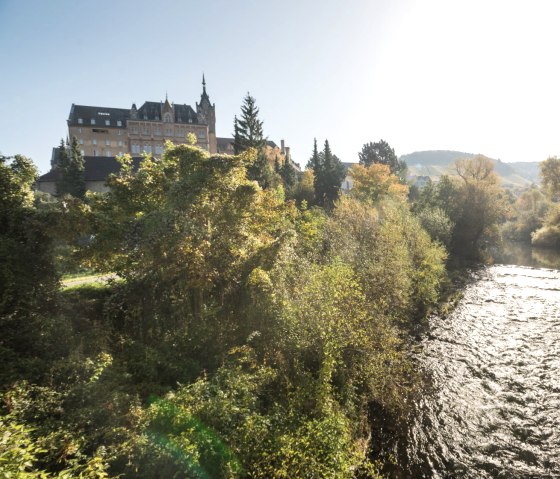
x=288, y=174
x=248, y=130
x=70, y=167
x=315, y=161
x=328, y=174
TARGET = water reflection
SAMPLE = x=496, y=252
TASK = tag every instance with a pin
x=492, y=405
x=524, y=255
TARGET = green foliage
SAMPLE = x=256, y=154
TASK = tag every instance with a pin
x=288, y=174
x=548, y=236
x=70, y=170
x=437, y=224
x=328, y=173
x=27, y=273
x=527, y=215
x=266, y=331
x=483, y=207
x=380, y=152
x=473, y=203
x=399, y=267
x=550, y=174
x=248, y=129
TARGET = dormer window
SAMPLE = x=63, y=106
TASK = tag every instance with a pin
x=107, y=122
x=119, y=123
x=80, y=120
x=167, y=118
x=93, y=121
x=145, y=116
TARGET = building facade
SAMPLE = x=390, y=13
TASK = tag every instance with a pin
x=103, y=131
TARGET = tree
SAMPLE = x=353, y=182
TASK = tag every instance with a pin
x=70, y=168
x=550, y=174
x=288, y=174
x=248, y=130
x=376, y=181
x=328, y=174
x=482, y=206
x=27, y=275
x=381, y=152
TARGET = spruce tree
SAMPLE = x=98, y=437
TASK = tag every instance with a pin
x=329, y=174
x=70, y=167
x=248, y=130
x=288, y=174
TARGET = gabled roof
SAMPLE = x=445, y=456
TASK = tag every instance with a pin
x=96, y=168
x=98, y=113
x=151, y=111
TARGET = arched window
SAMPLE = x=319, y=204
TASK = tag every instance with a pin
x=167, y=117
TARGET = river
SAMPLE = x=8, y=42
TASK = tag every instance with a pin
x=491, y=404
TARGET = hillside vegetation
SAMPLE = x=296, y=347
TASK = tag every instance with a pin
x=437, y=163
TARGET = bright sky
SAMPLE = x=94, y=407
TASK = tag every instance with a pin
x=479, y=76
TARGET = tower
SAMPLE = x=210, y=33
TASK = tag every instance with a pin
x=206, y=114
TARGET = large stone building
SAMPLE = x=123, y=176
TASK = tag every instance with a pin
x=108, y=132
x=104, y=133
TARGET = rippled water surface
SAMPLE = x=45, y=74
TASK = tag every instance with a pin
x=493, y=407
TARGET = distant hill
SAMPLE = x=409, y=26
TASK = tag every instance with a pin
x=440, y=162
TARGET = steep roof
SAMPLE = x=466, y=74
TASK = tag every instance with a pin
x=151, y=111
x=96, y=168
x=98, y=113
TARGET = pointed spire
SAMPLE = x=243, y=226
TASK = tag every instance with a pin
x=204, y=96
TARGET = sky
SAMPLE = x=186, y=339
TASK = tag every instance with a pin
x=479, y=76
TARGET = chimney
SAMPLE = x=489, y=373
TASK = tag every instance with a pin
x=287, y=152
x=282, y=149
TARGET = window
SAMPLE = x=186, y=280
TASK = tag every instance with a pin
x=201, y=134
x=179, y=134
x=94, y=142
x=157, y=131
x=146, y=131
x=190, y=120
x=81, y=141
x=159, y=150
x=167, y=118
x=107, y=152
x=148, y=148
x=168, y=132
x=119, y=123
x=157, y=117
x=120, y=153
x=107, y=142
x=119, y=143
x=93, y=121
x=80, y=120
x=119, y=132
x=135, y=148
x=135, y=130
x=145, y=116
x=107, y=122
x=79, y=130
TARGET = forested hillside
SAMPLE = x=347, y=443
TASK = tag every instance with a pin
x=441, y=162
